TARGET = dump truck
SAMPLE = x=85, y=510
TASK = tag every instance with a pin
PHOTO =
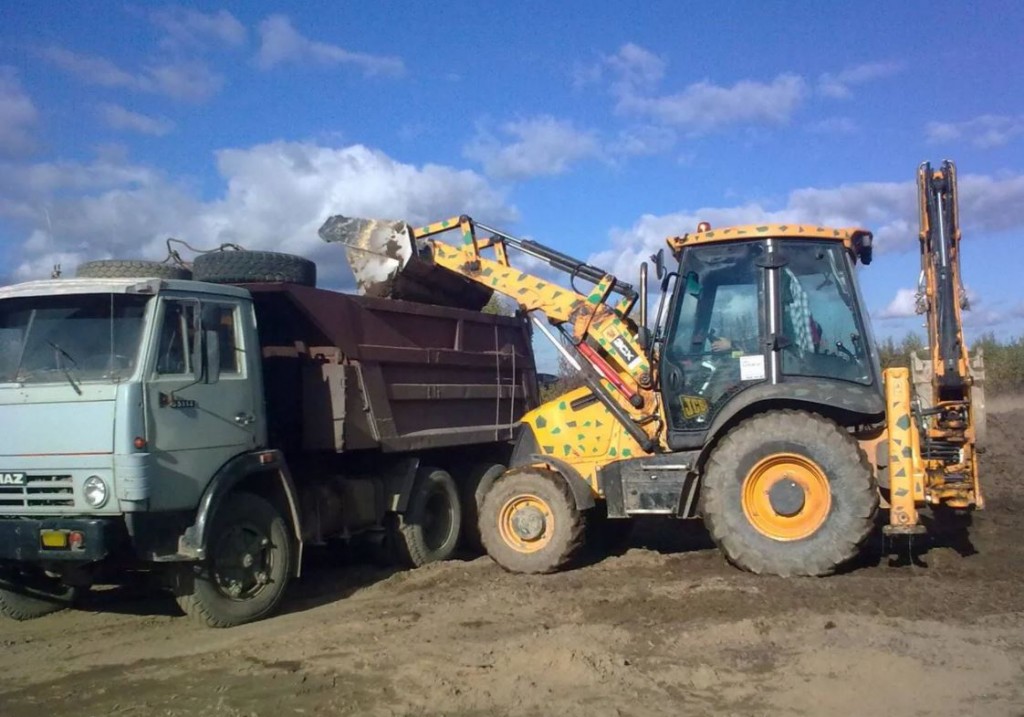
x=203, y=426
x=754, y=399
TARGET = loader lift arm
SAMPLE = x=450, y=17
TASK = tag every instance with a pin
x=597, y=323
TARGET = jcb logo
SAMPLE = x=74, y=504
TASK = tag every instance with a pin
x=12, y=479
x=693, y=406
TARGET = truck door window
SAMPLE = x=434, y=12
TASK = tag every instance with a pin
x=226, y=325
x=177, y=334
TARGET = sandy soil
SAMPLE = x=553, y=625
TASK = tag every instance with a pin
x=668, y=628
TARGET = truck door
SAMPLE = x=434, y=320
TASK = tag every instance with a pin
x=195, y=426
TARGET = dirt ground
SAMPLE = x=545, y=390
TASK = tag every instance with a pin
x=668, y=628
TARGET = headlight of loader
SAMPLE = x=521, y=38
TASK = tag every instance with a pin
x=95, y=491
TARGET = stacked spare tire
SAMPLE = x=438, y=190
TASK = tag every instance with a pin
x=218, y=267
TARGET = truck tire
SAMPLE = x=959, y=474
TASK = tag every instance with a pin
x=789, y=493
x=529, y=522
x=240, y=267
x=131, y=269
x=33, y=598
x=428, y=530
x=248, y=565
x=479, y=480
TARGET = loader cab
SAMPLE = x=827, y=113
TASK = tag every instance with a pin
x=762, y=318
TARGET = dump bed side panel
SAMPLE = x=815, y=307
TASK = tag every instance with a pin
x=350, y=372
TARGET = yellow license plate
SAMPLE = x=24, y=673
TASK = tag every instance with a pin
x=53, y=538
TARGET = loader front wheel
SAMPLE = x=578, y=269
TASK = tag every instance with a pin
x=789, y=493
x=529, y=522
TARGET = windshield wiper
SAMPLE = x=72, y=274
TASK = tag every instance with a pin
x=63, y=368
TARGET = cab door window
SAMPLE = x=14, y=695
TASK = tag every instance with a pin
x=714, y=346
x=177, y=337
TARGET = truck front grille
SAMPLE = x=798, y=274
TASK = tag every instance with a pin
x=39, y=491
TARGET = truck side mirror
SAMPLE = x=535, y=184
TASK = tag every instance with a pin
x=659, y=264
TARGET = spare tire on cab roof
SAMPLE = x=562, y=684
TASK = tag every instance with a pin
x=131, y=269
x=240, y=267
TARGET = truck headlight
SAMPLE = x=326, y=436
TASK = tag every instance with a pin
x=95, y=492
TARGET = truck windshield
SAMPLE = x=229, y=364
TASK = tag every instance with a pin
x=70, y=338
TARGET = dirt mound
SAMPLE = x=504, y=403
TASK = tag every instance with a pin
x=667, y=628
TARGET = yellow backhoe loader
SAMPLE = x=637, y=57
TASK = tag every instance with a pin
x=754, y=399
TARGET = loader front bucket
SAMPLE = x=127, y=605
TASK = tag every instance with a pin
x=388, y=262
x=921, y=375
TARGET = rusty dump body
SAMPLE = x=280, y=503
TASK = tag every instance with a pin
x=354, y=373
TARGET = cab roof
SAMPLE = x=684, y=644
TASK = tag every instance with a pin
x=50, y=287
x=856, y=239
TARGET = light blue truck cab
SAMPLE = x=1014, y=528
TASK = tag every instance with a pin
x=134, y=424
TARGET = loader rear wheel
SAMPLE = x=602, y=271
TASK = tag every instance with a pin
x=529, y=522
x=789, y=493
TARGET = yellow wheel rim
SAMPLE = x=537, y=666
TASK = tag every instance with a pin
x=526, y=523
x=786, y=496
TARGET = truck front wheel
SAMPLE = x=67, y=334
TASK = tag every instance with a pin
x=25, y=596
x=248, y=563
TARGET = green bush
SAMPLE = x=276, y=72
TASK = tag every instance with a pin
x=1004, y=360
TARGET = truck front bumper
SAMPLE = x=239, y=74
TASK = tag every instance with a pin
x=64, y=539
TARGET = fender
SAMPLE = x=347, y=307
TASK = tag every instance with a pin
x=581, y=491
x=232, y=474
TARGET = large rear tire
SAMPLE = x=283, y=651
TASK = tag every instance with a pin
x=248, y=565
x=789, y=493
x=428, y=531
x=529, y=522
x=240, y=267
x=27, y=597
x=131, y=269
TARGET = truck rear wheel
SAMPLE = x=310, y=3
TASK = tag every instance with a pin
x=26, y=596
x=428, y=530
x=789, y=493
x=529, y=522
x=248, y=565
x=239, y=267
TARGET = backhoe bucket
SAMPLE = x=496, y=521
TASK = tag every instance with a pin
x=388, y=262
x=921, y=375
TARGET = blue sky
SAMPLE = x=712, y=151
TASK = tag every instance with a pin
x=599, y=128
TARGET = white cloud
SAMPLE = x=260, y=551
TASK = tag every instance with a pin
x=838, y=85
x=705, y=106
x=118, y=117
x=539, y=146
x=181, y=80
x=984, y=132
x=185, y=27
x=902, y=306
x=18, y=114
x=276, y=196
x=280, y=42
x=642, y=140
x=635, y=74
x=888, y=209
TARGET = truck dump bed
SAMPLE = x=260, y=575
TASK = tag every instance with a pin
x=346, y=372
